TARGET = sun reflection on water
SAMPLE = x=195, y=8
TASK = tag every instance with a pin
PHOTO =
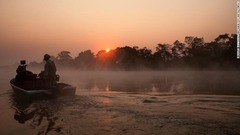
x=107, y=88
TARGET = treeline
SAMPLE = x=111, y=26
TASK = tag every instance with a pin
x=194, y=52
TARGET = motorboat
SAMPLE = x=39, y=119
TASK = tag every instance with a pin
x=26, y=82
x=36, y=86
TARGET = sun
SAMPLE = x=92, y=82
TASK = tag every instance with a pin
x=107, y=50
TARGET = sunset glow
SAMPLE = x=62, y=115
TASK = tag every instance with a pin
x=107, y=50
x=30, y=28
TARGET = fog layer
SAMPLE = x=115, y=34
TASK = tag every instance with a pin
x=175, y=82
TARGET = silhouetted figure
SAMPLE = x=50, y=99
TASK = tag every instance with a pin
x=49, y=72
x=21, y=71
x=22, y=67
x=23, y=74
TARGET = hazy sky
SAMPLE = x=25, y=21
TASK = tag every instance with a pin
x=31, y=28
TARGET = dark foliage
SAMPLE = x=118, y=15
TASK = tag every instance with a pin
x=193, y=53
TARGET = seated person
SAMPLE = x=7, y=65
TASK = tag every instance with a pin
x=23, y=74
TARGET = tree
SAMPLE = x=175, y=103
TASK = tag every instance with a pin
x=197, y=52
x=145, y=57
x=194, y=42
x=85, y=60
x=64, y=58
x=163, y=55
x=178, y=50
x=227, y=50
x=126, y=57
x=179, y=54
x=64, y=55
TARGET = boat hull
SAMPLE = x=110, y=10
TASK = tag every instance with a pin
x=31, y=89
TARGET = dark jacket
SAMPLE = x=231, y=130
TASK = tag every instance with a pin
x=49, y=69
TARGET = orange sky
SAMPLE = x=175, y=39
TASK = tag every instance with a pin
x=31, y=28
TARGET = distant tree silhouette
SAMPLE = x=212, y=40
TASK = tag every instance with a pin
x=179, y=54
x=85, y=60
x=193, y=53
x=225, y=45
x=102, y=59
x=126, y=57
x=145, y=58
x=178, y=50
x=64, y=59
x=163, y=55
x=197, y=52
x=64, y=55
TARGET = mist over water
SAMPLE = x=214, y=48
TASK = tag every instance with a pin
x=172, y=82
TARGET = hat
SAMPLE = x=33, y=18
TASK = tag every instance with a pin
x=23, y=62
x=46, y=56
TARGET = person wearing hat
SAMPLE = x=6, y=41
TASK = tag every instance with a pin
x=21, y=71
x=23, y=74
x=49, y=71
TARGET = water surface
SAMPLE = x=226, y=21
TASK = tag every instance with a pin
x=168, y=103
